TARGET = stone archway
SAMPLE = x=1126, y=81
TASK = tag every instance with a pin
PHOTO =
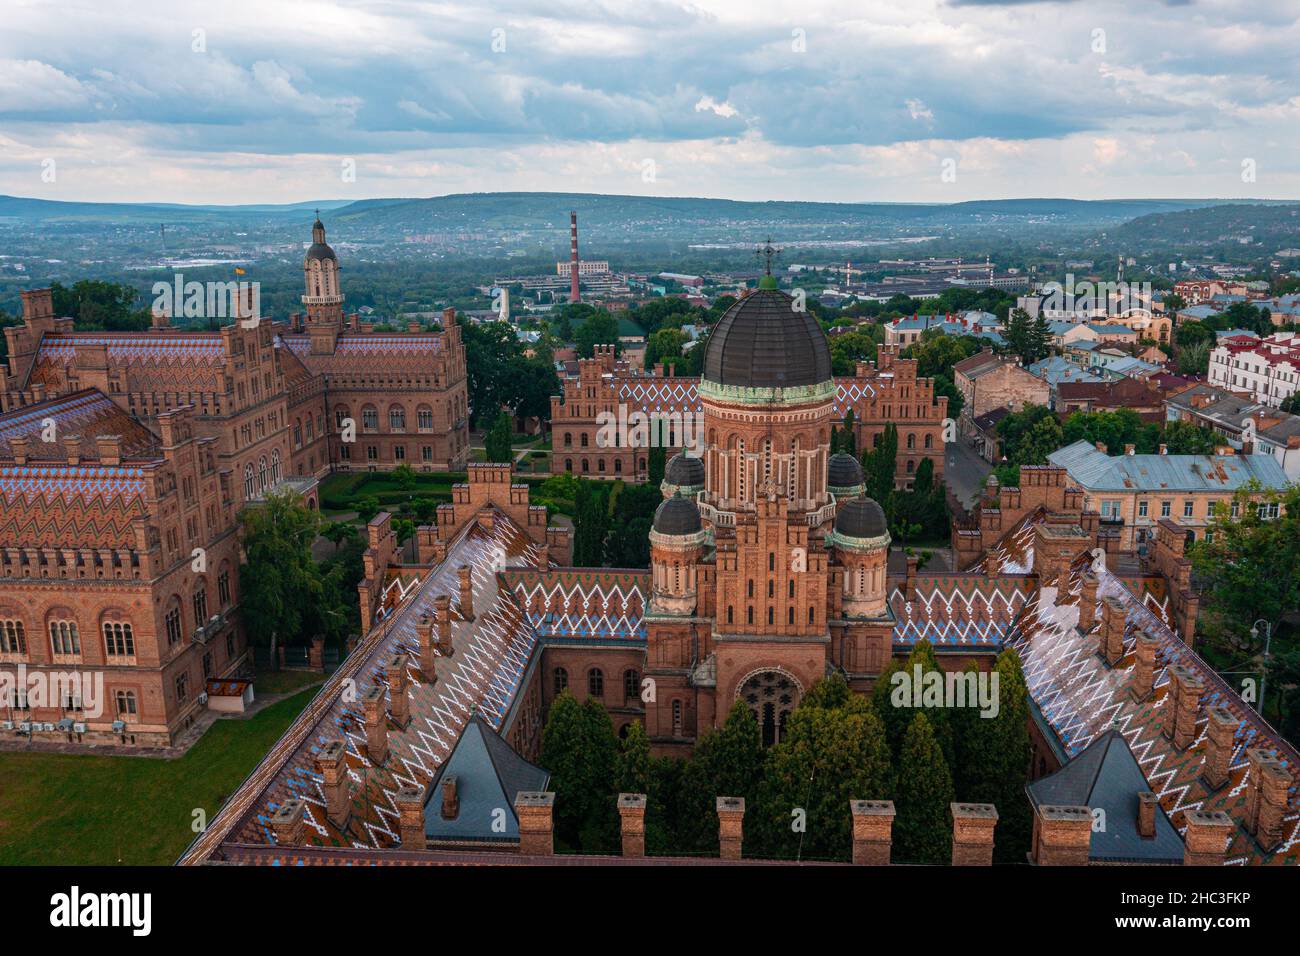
x=772, y=694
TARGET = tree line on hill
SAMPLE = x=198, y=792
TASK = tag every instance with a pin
x=835, y=746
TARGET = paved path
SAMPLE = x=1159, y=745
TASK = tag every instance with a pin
x=964, y=471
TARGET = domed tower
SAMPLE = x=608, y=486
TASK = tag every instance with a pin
x=844, y=477
x=323, y=296
x=767, y=396
x=861, y=541
x=683, y=476
x=677, y=540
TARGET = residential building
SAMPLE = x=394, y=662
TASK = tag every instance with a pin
x=1132, y=492
x=1266, y=369
x=1226, y=413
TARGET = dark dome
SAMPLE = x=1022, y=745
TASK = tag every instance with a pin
x=762, y=342
x=677, y=515
x=684, y=470
x=321, y=250
x=861, y=518
x=843, y=471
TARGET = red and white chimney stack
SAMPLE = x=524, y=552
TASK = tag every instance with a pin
x=573, y=258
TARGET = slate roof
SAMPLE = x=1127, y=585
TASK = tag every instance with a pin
x=1096, y=471
x=1106, y=776
x=488, y=776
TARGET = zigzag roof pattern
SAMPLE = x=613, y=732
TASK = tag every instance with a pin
x=87, y=414
x=582, y=605
x=483, y=675
x=135, y=348
x=1080, y=697
x=372, y=352
x=959, y=612
x=647, y=393
x=70, y=506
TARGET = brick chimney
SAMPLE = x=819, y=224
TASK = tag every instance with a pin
x=72, y=449
x=287, y=823
x=450, y=797
x=544, y=556
x=442, y=605
x=909, y=586
x=1266, y=802
x=873, y=831
x=991, y=564
x=109, y=449
x=631, y=814
x=466, y=592
x=972, y=833
x=1206, y=840
x=1220, y=741
x=1062, y=835
x=1146, y=821
x=1088, y=601
x=428, y=653
x=18, y=446
x=410, y=818
x=331, y=763
x=536, y=825
x=1111, y=640
x=398, y=705
x=731, y=826
x=1101, y=447
x=1144, y=665
x=1185, y=690
x=376, y=725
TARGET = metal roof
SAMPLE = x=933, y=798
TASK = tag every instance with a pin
x=1097, y=471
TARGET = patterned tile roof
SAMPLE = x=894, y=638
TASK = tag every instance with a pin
x=70, y=506
x=131, y=348
x=645, y=393
x=368, y=351
x=583, y=605
x=85, y=414
x=482, y=676
x=959, y=611
x=1080, y=698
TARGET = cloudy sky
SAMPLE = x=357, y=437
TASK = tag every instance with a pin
x=241, y=101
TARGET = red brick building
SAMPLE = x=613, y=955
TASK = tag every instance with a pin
x=124, y=460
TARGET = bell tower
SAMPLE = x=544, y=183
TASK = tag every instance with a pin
x=323, y=295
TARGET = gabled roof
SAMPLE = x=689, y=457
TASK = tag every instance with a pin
x=85, y=414
x=1106, y=777
x=488, y=776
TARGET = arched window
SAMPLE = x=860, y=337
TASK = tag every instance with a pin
x=248, y=482
x=583, y=440
x=370, y=418
x=929, y=441
x=424, y=418
x=200, y=601
x=275, y=466
x=618, y=466
x=172, y=622
x=119, y=641
x=561, y=680
x=397, y=418
x=568, y=440
x=261, y=473
x=911, y=466
x=730, y=614
x=595, y=682
x=568, y=465
x=631, y=684
x=12, y=638
x=64, y=638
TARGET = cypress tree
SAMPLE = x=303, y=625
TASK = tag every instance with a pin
x=922, y=829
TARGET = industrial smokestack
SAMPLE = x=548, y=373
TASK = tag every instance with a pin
x=573, y=257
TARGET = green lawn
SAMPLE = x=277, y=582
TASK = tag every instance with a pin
x=60, y=809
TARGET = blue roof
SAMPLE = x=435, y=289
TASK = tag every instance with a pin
x=1097, y=471
x=1110, y=329
x=1199, y=311
x=1231, y=332
x=488, y=776
x=1056, y=370
x=1127, y=365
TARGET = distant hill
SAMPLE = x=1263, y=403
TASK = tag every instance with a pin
x=1272, y=226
